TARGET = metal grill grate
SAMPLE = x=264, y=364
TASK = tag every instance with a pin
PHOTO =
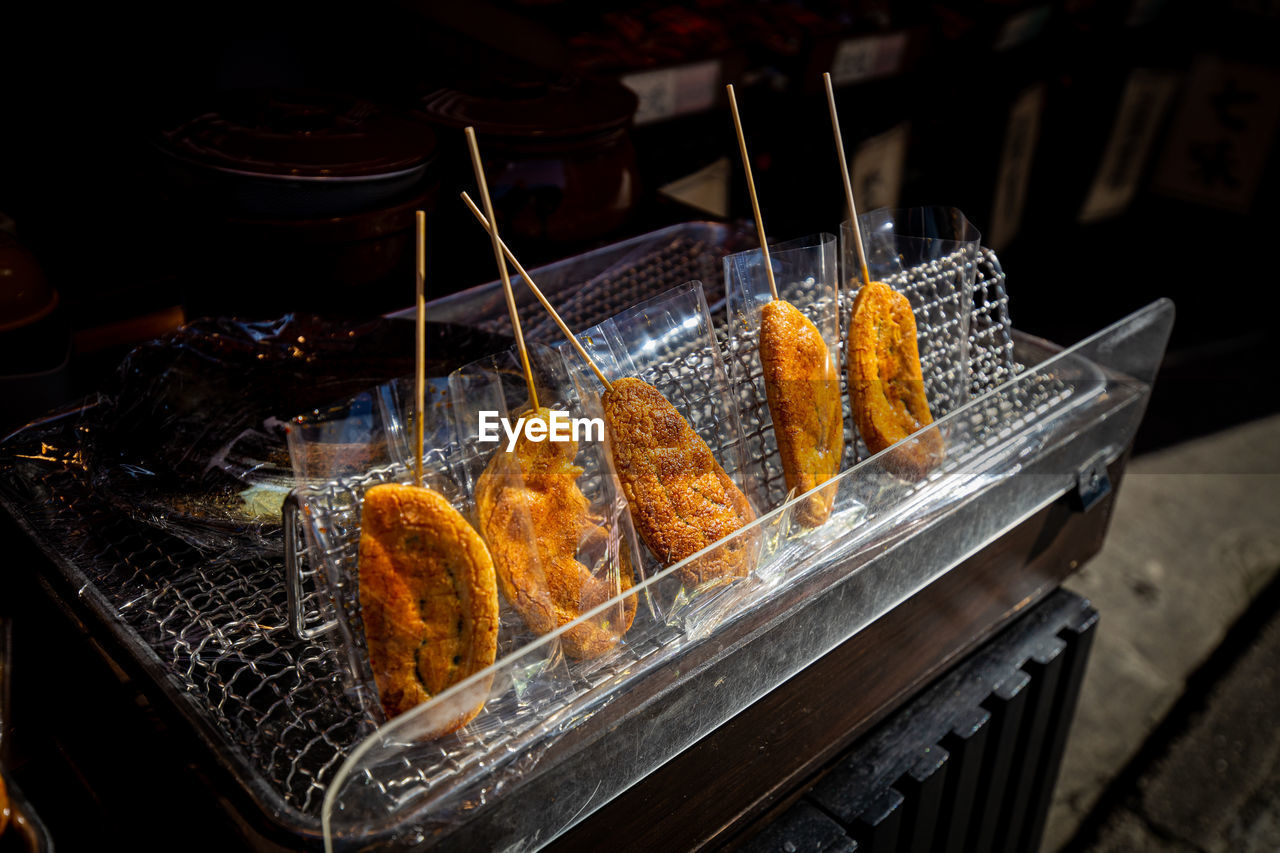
x=213, y=632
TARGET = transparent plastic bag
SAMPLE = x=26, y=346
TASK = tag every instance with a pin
x=806, y=272
x=929, y=255
x=558, y=530
x=669, y=344
x=339, y=453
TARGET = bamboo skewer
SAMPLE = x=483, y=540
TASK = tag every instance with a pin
x=502, y=266
x=844, y=174
x=420, y=349
x=564, y=328
x=751, y=190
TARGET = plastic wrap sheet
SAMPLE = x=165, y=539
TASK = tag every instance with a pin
x=552, y=516
x=190, y=439
x=669, y=342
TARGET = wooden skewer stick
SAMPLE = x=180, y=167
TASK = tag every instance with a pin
x=848, y=184
x=751, y=190
x=564, y=328
x=420, y=351
x=502, y=266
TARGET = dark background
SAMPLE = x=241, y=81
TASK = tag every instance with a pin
x=87, y=93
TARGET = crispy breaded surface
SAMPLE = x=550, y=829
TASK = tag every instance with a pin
x=536, y=520
x=886, y=385
x=803, y=388
x=428, y=597
x=681, y=500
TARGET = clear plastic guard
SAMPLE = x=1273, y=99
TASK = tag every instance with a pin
x=1011, y=451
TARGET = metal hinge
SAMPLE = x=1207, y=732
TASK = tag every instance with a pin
x=1092, y=482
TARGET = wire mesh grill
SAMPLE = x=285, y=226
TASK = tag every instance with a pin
x=688, y=256
x=213, y=632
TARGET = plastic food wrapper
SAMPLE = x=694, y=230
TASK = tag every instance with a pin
x=930, y=255
x=559, y=532
x=376, y=428
x=669, y=343
x=188, y=437
x=806, y=272
x=339, y=452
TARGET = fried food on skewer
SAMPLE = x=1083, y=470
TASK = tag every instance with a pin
x=803, y=389
x=681, y=499
x=804, y=401
x=886, y=384
x=536, y=520
x=428, y=598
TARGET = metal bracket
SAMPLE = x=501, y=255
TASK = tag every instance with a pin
x=1092, y=482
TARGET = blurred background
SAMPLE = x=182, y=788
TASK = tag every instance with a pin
x=162, y=161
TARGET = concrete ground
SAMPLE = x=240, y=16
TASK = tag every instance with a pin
x=1194, y=540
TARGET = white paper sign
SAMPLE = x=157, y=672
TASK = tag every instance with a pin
x=1016, y=157
x=868, y=57
x=877, y=167
x=1143, y=105
x=671, y=92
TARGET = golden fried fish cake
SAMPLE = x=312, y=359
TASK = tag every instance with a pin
x=803, y=389
x=536, y=521
x=886, y=385
x=681, y=499
x=428, y=598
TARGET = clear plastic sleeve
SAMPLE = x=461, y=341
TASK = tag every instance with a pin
x=669, y=343
x=554, y=522
x=930, y=255
x=806, y=272
x=339, y=453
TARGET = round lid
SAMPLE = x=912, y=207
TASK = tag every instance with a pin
x=531, y=109
x=303, y=134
